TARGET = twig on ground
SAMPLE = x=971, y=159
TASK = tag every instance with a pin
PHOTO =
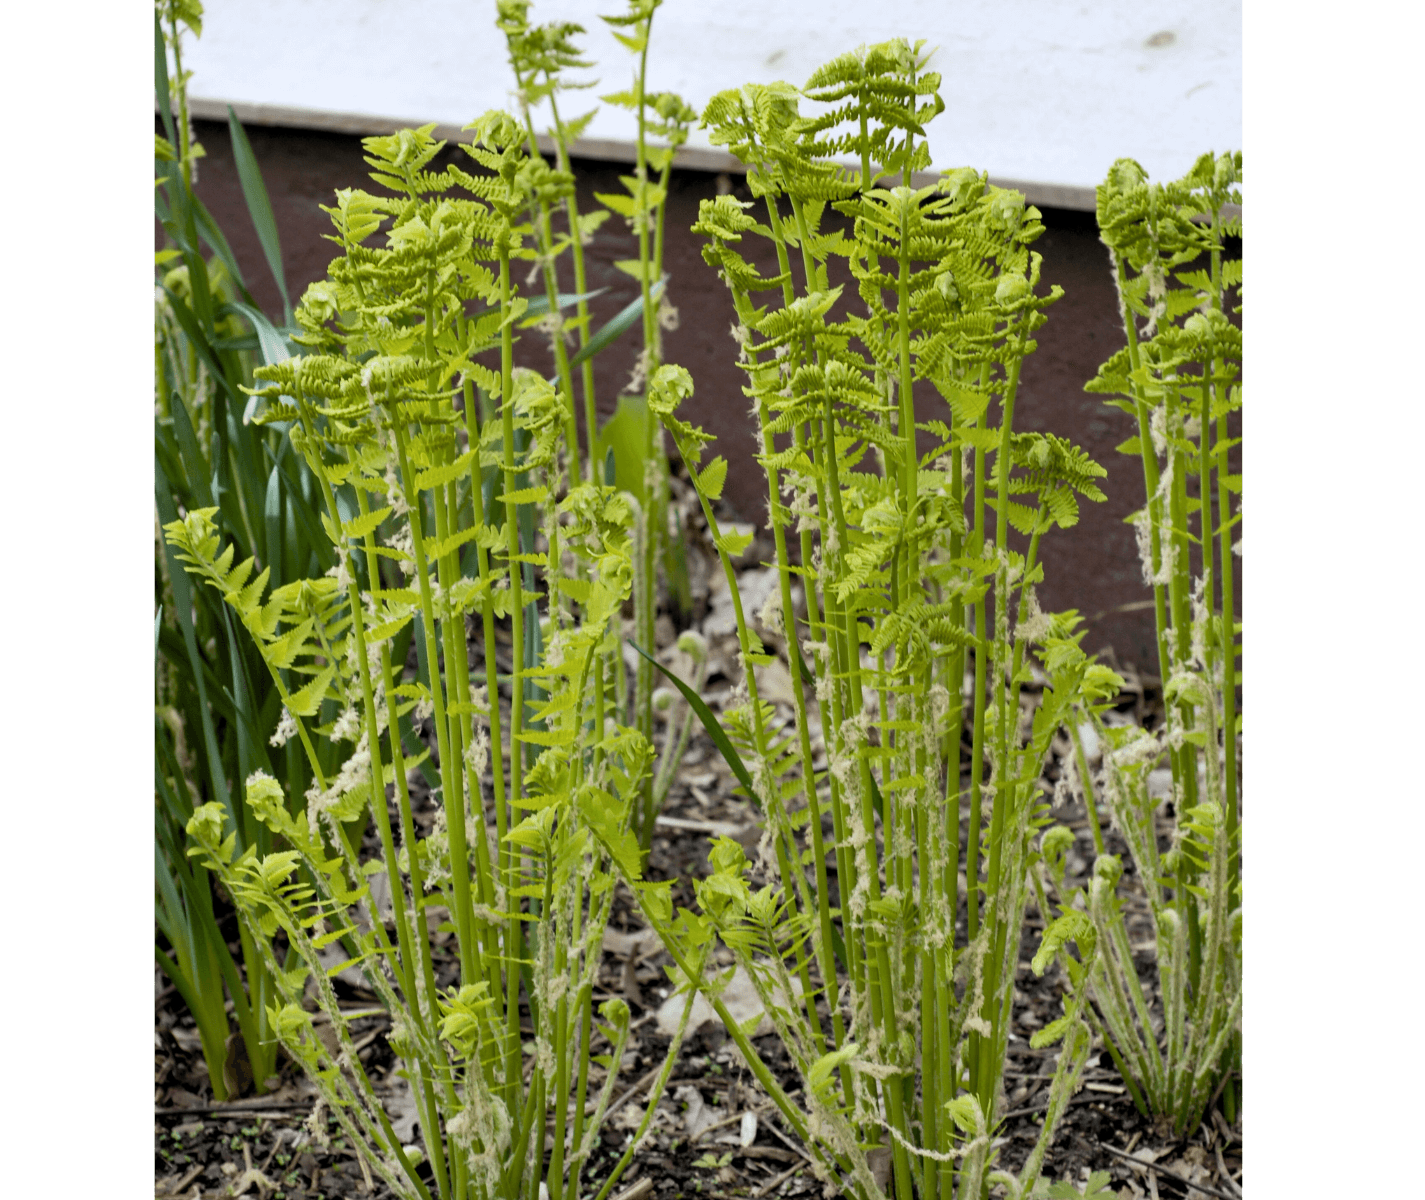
x=193, y=1174
x=629, y=1095
x=1029, y=1112
x=1166, y=1173
x=775, y=1153
x=241, y=1106
x=641, y=1084
x=737, y=1116
x=1222, y=1171
x=637, y=1191
x=271, y=1154
x=785, y=1140
x=360, y=1044
x=777, y=1181
x=354, y=1014
x=683, y=824
x=1217, y=1091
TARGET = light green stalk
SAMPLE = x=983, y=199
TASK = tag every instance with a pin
x=378, y=798
x=517, y=680
x=652, y=524
x=581, y=286
x=1004, y=768
x=1150, y=471
x=826, y=629
x=549, y=269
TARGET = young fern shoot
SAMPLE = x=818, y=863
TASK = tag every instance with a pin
x=1178, y=377
x=422, y=503
x=899, y=1034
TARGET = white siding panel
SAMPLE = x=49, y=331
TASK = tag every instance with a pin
x=1042, y=91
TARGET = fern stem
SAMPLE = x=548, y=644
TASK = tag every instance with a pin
x=1179, y=591
x=1004, y=769
x=455, y=816
x=487, y=623
x=822, y=940
x=185, y=149
x=455, y=679
x=1150, y=470
x=648, y=549
x=1226, y=604
x=517, y=671
x=415, y=954
x=1081, y=762
x=549, y=269
x=824, y=627
x=826, y=962
x=581, y=285
x=378, y=791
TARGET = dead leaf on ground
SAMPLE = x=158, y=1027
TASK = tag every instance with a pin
x=739, y=996
x=698, y=1115
x=637, y=943
x=401, y=1108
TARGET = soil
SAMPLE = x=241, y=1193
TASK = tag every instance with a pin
x=262, y=1146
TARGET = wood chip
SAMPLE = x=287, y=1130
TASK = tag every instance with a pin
x=716, y=828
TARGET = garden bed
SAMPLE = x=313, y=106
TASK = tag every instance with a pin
x=699, y=1144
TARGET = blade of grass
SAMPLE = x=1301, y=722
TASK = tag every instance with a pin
x=317, y=540
x=617, y=326
x=710, y=723
x=160, y=82
x=208, y=230
x=188, y=322
x=183, y=606
x=259, y=207
x=539, y=305
x=272, y=525
x=270, y=341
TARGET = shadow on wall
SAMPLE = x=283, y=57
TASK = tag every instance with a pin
x=1092, y=567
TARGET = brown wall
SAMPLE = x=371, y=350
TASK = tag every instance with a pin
x=1092, y=567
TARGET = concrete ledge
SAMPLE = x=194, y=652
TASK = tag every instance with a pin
x=691, y=158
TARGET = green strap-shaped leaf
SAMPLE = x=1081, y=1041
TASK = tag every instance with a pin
x=160, y=81
x=188, y=322
x=539, y=305
x=208, y=230
x=711, y=724
x=317, y=540
x=183, y=609
x=259, y=206
x=272, y=526
x=616, y=327
x=269, y=340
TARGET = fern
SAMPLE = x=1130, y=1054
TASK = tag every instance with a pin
x=898, y=561
x=1179, y=378
x=382, y=405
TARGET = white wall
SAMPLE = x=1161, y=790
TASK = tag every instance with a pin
x=1044, y=91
